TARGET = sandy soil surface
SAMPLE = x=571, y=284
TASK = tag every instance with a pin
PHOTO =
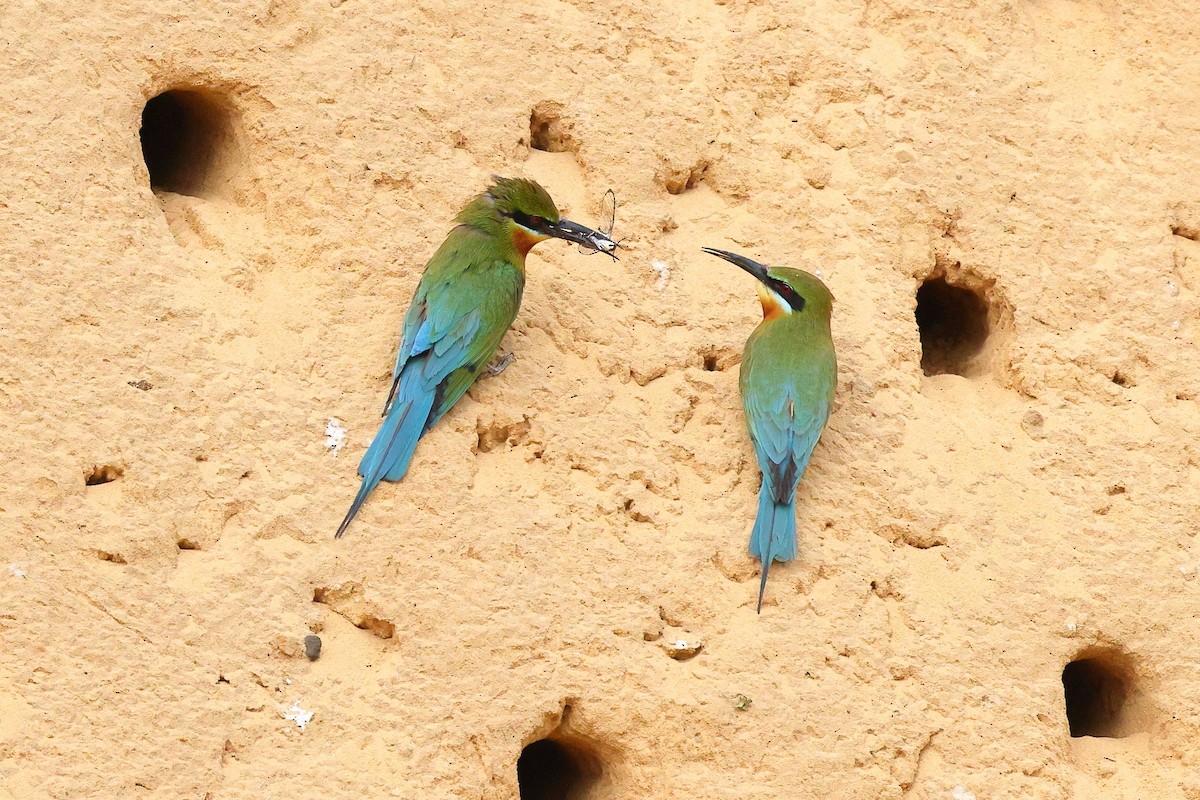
x=173, y=356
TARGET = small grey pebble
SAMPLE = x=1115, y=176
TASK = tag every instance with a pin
x=312, y=647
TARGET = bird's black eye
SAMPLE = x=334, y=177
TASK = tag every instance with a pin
x=536, y=222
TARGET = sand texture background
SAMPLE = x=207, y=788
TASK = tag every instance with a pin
x=963, y=537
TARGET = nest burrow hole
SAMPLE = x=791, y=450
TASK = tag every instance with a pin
x=557, y=769
x=953, y=324
x=1099, y=693
x=189, y=141
x=547, y=130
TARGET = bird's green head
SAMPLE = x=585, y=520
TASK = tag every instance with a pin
x=521, y=212
x=783, y=290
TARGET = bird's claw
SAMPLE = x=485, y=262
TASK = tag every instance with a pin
x=499, y=365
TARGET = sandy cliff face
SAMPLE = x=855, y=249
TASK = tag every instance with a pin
x=1026, y=168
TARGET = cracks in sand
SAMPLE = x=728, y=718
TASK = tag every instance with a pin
x=709, y=358
x=638, y=493
x=104, y=610
x=491, y=433
x=347, y=601
x=926, y=754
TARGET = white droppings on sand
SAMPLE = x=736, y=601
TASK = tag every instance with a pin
x=335, y=435
x=298, y=715
x=664, y=274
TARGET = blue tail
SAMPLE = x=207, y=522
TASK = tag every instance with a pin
x=392, y=449
x=774, y=536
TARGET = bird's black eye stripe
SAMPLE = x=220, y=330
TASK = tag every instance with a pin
x=789, y=294
x=531, y=222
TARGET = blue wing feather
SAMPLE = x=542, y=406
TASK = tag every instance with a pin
x=411, y=411
x=784, y=436
x=454, y=325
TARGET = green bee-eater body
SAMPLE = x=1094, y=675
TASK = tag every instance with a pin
x=466, y=300
x=788, y=379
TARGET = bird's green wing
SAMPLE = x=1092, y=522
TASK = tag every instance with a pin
x=447, y=263
x=473, y=336
x=785, y=415
x=466, y=300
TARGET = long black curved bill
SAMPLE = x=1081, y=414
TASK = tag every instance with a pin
x=753, y=267
x=582, y=235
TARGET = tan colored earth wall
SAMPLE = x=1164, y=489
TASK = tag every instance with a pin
x=963, y=537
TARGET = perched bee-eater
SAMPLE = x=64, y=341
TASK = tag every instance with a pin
x=467, y=298
x=788, y=379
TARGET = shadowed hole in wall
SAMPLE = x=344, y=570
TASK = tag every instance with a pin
x=557, y=769
x=953, y=323
x=716, y=359
x=189, y=141
x=101, y=475
x=549, y=131
x=1101, y=695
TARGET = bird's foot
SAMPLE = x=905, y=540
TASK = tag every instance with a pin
x=500, y=364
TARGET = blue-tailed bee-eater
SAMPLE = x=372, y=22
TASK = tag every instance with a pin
x=467, y=298
x=788, y=379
